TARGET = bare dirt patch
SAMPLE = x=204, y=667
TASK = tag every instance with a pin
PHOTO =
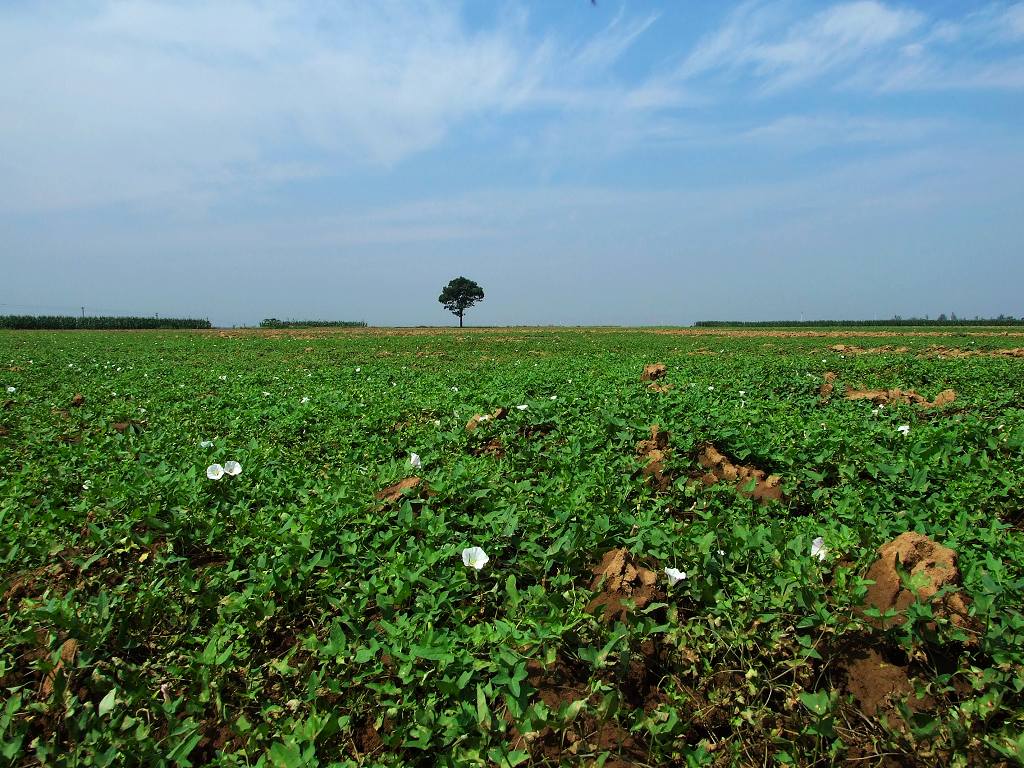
x=827, y=386
x=906, y=397
x=478, y=419
x=939, y=351
x=68, y=651
x=931, y=567
x=654, y=451
x=492, y=447
x=78, y=400
x=749, y=480
x=654, y=371
x=410, y=487
x=622, y=586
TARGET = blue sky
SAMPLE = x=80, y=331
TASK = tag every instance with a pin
x=642, y=163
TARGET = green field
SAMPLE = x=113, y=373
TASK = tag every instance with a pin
x=289, y=616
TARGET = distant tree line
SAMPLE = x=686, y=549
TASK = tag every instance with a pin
x=896, y=321
x=71, y=322
x=273, y=322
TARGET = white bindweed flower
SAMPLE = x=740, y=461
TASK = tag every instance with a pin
x=215, y=471
x=522, y=407
x=743, y=393
x=903, y=429
x=818, y=548
x=415, y=461
x=223, y=378
x=206, y=444
x=11, y=390
x=674, y=576
x=711, y=389
x=474, y=557
x=304, y=400
x=232, y=468
x=554, y=397
x=455, y=389
x=721, y=553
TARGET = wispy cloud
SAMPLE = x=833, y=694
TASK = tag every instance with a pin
x=146, y=101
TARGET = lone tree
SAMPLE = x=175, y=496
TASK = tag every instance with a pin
x=459, y=295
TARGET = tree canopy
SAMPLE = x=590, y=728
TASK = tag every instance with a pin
x=459, y=295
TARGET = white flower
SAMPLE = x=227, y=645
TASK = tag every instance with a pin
x=711, y=389
x=215, y=471
x=358, y=369
x=818, y=548
x=232, y=468
x=415, y=461
x=223, y=378
x=674, y=576
x=903, y=429
x=522, y=407
x=437, y=422
x=304, y=400
x=554, y=397
x=743, y=393
x=474, y=557
x=266, y=394
x=11, y=390
x=455, y=389
x=721, y=553
x=206, y=444
x=87, y=485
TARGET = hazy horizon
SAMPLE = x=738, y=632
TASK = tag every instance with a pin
x=605, y=165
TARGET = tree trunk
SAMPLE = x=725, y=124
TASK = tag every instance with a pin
x=460, y=319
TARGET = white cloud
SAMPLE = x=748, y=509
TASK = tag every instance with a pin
x=152, y=101
x=780, y=51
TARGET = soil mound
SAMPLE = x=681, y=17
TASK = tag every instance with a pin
x=931, y=567
x=767, y=488
x=827, y=386
x=895, y=395
x=654, y=452
x=394, y=493
x=479, y=419
x=621, y=586
x=877, y=685
x=654, y=371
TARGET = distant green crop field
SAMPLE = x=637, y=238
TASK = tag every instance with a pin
x=157, y=609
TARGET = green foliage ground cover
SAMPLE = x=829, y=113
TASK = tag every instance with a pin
x=287, y=617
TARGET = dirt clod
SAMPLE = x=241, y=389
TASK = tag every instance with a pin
x=719, y=468
x=654, y=371
x=654, y=452
x=78, y=400
x=68, y=651
x=931, y=567
x=827, y=386
x=394, y=493
x=620, y=584
x=896, y=395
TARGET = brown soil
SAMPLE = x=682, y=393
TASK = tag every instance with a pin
x=492, y=447
x=878, y=685
x=395, y=493
x=931, y=567
x=851, y=349
x=954, y=352
x=78, y=400
x=895, y=395
x=659, y=388
x=68, y=651
x=766, y=488
x=638, y=677
x=479, y=419
x=621, y=586
x=827, y=386
x=654, y=452
x=654, y=371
